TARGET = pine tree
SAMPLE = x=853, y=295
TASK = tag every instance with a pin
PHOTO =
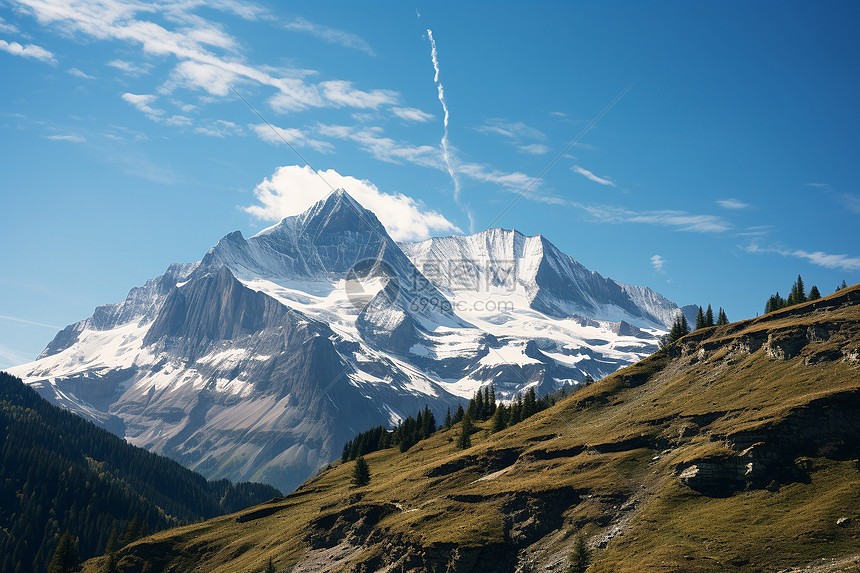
x=814, y=294
x=65, y=557
x=478, y=414
x=516, y=414
x=530, y=406
x=448, y=421
x=700, y=319
x=844, y=286
x=360, y=472
x=798, y=294
x=464, y=441
x=722, y=318
x=270, y=567
x=492, y=399
x=112, y=542
x=709, y=317
x=132, y=531
x=679, y=329
x=499, y=422
x=428, y=424
x=111, y=565
x=458, y=415
x=579, y=557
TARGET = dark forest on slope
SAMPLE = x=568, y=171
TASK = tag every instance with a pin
x=60, y=473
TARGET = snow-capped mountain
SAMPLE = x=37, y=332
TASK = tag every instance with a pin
x=261, y=360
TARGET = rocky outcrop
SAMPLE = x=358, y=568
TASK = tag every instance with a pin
x=828, y=427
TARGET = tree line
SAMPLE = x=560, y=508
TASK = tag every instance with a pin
x=704, y=319
x=68, y=486
x=406, y=434
x=797, y=295
x=482, y=407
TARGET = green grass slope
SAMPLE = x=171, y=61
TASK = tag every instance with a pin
x=735, y=449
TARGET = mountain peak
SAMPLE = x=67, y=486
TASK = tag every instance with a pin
x=337, y=211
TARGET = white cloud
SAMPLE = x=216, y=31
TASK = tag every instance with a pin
x=13, y=357
x=591, y=176
x=142, y=103
x=851, y=202
x=219, y=128
x=130, y=68
x=277, y=135
x=206, y=77
x=292, y=189
x=330, y=35
x=680, y=220
x=657, y=262
x=341, y=93
x=484, y=174
x=7, y=28
x=733, y=204
x=28, y=51
x=384, y=148
x=79, y=74
x=828, y=261
x=72, y=138
x=24, y=321
x=534, y=149
x=818, y=185
x=192, y=44
x=510, y=129
x=819, y=258
x=412, y=114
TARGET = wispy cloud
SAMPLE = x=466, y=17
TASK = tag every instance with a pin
x=6, y=318
x=679, y=220
x=8, y=28
x=851, y=202
x=130, y=68
x=219, y=128
x=534, y=149
x=341, y=93
x=330, y=35
x=819, y=258
x=29, y=51
x=733, y=204
x=412, y=114
x=848, y=200
x=79, y=74
x=591, y=176
x=510, y=129
x=657, y=262
x=13, y=357
x=292, y=189
x=143, y=103
x=277, y=135
x=195, y=43
x=371, y=140
x=74, y=138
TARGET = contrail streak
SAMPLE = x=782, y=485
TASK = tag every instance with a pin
x=446, y=153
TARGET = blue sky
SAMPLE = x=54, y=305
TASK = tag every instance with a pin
x=729, y=166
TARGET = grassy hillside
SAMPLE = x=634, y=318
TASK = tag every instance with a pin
x=735, y=449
